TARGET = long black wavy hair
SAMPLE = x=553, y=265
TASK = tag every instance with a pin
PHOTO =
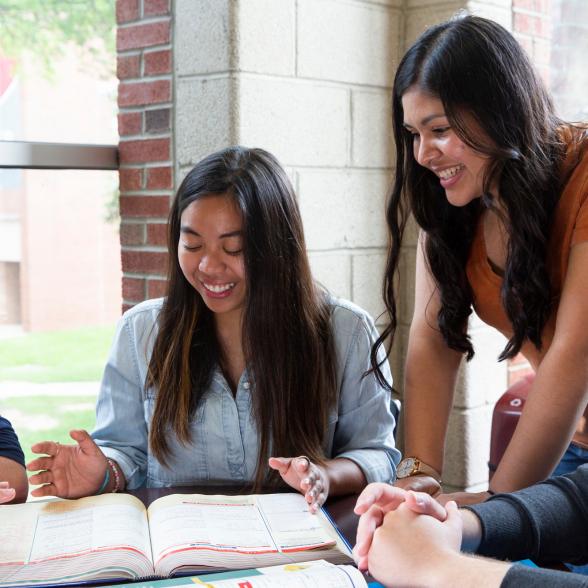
x=481, y=75
x=286, y=333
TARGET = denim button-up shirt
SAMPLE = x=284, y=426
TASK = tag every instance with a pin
x=225, y=442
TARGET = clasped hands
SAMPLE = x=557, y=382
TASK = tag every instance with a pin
x=400, y=529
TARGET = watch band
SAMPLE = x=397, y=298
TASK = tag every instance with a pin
x=413, y=466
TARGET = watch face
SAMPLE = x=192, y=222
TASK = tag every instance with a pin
x=405, y=467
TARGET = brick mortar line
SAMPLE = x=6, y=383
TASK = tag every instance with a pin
x=148, y=78
x=144, y=20
x=142, y=50
x=145, y=136
x=141, y=276
x=147, y=107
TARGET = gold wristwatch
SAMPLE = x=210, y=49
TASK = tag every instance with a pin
x=413, y=466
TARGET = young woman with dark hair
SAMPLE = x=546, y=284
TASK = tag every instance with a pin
x=244, y=359
x=498, y=186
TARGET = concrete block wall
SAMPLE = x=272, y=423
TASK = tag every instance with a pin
x=316, y=93
x=145, y=101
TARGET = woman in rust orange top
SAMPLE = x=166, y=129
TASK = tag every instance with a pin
x=499, y=187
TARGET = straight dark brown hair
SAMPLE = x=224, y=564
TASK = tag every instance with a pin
x=286, y=338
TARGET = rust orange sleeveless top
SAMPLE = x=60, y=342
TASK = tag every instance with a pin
x=570, y=226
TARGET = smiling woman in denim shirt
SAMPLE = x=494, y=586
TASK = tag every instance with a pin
x=244, y=359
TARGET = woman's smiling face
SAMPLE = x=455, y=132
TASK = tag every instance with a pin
x=210, y=253
x=437, y=147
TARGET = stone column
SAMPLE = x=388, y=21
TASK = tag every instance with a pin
x=308, y=80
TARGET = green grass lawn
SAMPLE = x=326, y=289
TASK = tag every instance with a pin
x=48, y=418
x=60, y=356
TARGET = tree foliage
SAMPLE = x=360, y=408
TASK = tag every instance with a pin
x=45, y=27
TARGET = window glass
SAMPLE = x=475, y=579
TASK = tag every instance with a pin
x=58, y=71
x=60, y=269
x=60, y=296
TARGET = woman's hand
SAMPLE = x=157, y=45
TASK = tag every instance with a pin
x=375, y=502
x=6, y=493
x=68, y=471
x=419, y=483
x=305, y=477
x=464, y=498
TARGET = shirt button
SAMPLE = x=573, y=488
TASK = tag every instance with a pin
x=246, y=385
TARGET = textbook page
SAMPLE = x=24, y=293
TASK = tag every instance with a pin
x=288, y=521
x=17, y=525
x=228, y=532
x=68, y=540
x=65, y=528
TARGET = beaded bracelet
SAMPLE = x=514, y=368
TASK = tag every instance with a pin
x=105, y=481
x=116, y=475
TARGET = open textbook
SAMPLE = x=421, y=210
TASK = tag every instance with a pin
x=310, y=574
x=114, y=536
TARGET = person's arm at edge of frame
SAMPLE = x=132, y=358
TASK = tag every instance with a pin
x=428, y=393
x=545, y=522
x=15, y=475
x=549, y=418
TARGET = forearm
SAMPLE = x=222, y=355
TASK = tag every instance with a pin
x=345, y=477
x=13, y=473
x=550, y=416
x=463, y=570
x=428, y=397
x=471, y=531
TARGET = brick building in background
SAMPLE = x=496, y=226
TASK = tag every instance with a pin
x=144, y=68
x=310, y=81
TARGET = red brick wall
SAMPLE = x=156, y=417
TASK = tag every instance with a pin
x=144, y=70
x=532, y=28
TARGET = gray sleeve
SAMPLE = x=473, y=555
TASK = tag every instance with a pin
x=519, y=576
x=546, y=522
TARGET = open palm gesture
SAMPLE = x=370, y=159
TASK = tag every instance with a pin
x=68, y=471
